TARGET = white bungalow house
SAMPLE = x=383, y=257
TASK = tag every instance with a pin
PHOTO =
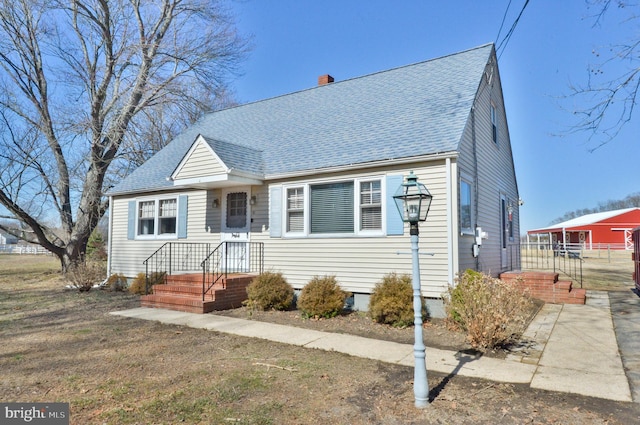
x=303, y=183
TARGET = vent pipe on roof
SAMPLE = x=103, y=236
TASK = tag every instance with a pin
x=325, y=79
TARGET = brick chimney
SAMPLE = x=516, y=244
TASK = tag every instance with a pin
x=325, y=79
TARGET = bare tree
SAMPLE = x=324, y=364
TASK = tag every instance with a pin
x=606, y=102
x=81, y=82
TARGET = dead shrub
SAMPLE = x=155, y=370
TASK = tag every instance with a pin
x=391, y=301
x=322, y=297
x=84, y=274
x=491, y=311
x=142, y=285
x=116, y=283
x=269, y=291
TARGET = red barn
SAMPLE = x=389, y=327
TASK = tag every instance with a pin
x=609, y=229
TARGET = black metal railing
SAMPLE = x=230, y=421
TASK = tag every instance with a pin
x=231, y=257
x=559, y=258
x=174, y=257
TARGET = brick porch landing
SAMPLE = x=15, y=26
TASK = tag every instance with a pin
x=184, y=293
x=546, y=286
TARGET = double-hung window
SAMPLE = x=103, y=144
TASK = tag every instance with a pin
x=167, y=216
x=157, y=217
x=342, y=207
x=146, y=217
x=295, y=210
x=370, y=205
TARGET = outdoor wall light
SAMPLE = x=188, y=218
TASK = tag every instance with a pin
x=253, y=200
x=413, y=201
x=215, y=203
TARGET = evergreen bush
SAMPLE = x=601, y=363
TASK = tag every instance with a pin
x=391, y=302
x=269, y=291
x=322, y=297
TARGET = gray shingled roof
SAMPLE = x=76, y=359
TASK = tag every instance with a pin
x=237, y=156
x=417, y=109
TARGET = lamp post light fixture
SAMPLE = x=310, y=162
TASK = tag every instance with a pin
x=413, y=201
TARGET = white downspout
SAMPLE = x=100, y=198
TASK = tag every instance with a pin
x=452, y=241
x=110, y=236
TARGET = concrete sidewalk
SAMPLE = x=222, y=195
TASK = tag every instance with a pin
x=571, y=348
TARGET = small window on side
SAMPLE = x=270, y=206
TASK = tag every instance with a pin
x=466, y=210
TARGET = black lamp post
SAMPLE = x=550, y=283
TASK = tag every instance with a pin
x=413, y=201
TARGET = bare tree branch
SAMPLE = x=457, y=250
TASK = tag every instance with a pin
x=606, y=102
x=89, y=89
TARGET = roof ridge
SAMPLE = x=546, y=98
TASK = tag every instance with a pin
x=348, y=79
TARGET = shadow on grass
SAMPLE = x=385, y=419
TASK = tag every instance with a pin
x=463, y=357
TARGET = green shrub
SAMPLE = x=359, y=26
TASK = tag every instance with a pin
x=322, y=297
x=269, y=291
x=391, y=302
x=96, y=246
x=141, y=285
x=491, y=311
x=116, y=283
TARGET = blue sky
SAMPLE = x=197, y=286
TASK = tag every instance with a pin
x=552, y=47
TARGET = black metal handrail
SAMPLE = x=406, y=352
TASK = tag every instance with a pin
x=174, y=257
x=231, y=257
x=545, y=256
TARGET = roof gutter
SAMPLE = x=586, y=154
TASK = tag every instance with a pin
x=363, y=166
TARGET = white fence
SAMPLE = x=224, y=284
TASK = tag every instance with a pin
x=23, y=249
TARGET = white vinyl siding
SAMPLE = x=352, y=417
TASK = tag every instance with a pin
x=358, y=261
x=489, y=166
x=361, y=260
x=201, y=162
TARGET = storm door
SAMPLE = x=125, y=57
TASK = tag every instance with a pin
x=235, y=229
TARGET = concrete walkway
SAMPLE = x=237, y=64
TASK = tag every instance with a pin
x=571, y=348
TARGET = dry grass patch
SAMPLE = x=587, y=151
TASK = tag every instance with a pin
x=64, y=346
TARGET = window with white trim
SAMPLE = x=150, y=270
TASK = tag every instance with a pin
x=157, y=217
x=332, y=208
x=342, y=207
x=466, y=207
x=146, y=217
x=370, y=205
x=168, y=216
x=295, y=209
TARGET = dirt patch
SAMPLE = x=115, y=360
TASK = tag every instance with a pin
x=435, y=332
x=64, y=346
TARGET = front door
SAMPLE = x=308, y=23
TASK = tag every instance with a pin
x=235, y=229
